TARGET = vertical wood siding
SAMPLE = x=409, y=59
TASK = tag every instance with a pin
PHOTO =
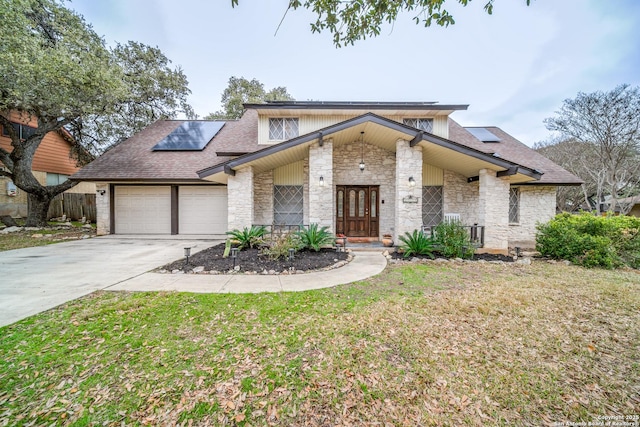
x=291, y=174
x=432, y=175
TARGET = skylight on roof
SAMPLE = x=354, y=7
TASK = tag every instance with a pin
x=190, y=136
x=483, y=134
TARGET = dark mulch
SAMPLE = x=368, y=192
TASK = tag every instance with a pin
x=476, y=257
x=251, y=260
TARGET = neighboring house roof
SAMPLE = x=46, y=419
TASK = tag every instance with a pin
x=53, y=155
x=237, y=144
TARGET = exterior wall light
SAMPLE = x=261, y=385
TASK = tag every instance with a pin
x=412, y=182
x=101, y=192
x=321, y=181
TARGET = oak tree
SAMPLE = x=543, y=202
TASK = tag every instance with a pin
x=57, y=72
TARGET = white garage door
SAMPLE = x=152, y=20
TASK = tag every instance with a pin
x=142, y=209
x=202, y=210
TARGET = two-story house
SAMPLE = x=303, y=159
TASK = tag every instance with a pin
x=52, y=165
x=363, y=169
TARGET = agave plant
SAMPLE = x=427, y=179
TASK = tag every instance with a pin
x=315, y=237
x=416, y=243
x=249, y=237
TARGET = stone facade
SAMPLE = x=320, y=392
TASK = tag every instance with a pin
x=263, y=198
x=493, y=211
x=103, y=210
x=380, y=170
x=408, y=216
x=240, y=203
x=460, y=197
x=321, y=197
x=537, y=204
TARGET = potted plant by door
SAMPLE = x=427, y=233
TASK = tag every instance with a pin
x=387, y=240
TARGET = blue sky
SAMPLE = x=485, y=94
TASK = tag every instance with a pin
x=513, y=68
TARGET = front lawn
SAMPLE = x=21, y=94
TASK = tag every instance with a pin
x=437, y=344
x=54, y=233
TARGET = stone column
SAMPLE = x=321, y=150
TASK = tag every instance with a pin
x=321, y=203
x=240, y=199
x=408, y=203
x=493, y=212
x=103, y=209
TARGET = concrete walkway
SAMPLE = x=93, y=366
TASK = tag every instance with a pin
x=363, y=265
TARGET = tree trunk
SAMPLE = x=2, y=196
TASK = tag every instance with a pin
x=38, y=210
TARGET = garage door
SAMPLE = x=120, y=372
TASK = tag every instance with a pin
x=142, y=209
x=202, y=210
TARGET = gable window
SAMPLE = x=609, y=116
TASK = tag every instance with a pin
x=283, y=129
x=422, y=124
x=514, y=205
x=23, y=131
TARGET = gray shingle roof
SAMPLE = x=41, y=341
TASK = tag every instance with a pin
x=134, y=160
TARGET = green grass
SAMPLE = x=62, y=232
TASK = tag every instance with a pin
x=434, y=344
x=46, y=236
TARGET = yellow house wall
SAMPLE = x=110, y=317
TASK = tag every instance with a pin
x=311, y=123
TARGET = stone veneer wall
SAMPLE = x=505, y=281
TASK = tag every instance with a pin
x=305, y=192
x=408, y=216
x=493, y=209
x=460, y=197
x=537, y=204
x=263, y=198
x=240, y=199
x=103, y=211
x=380, y=170
x=321, y=198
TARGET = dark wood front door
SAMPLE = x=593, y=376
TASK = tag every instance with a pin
x=357, y=210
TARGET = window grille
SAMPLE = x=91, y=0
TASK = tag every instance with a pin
x=514, y=205
x=422, y=124
x=288, y=202
x=283, y=129
x=431, y=205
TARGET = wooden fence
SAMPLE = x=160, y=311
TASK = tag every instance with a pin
x=74, y=206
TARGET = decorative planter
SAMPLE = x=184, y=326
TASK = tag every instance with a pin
x=387, y=240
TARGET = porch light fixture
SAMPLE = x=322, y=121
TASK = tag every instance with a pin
x=412, y=182
x=321, y=181
x=101, y=192
x=361, y=165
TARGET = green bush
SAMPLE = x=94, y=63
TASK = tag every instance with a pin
x=280, y=245
x=591, y=241
x=416, y=243
x=453, y=240
x=315, y=238
x=248, y=237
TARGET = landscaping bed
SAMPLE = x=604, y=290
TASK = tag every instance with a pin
x=211, y=261
x=475, y=257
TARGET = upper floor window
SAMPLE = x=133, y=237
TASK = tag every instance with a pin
x=422, y=124
x=23, y=131
x=283, y=129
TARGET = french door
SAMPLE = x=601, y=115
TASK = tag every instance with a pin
x=357, y=210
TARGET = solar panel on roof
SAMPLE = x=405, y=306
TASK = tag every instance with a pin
x=190, y=136
x=483, y=134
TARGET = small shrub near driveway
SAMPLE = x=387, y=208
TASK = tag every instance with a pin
x=591, y=241
x=249, y=237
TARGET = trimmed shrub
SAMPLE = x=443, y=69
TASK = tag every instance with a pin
x=416, y=243
x=248, y=237
x=453, y=240
x=591, y=241
x=280, y=245
x=315, y=238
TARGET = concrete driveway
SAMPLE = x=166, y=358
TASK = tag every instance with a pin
x=33, y=280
